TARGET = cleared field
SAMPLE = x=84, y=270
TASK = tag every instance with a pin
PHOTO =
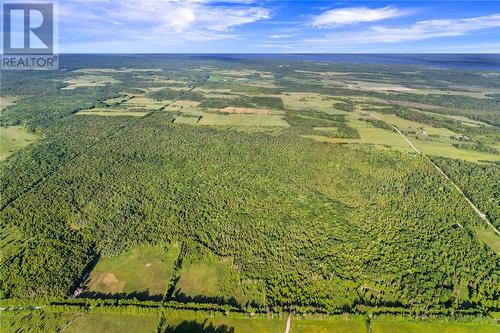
x=114, y=323
x=185, y=104
x=185, y=108
x=430, y=145
x=210, y=279
x=192, y=322
x=393, y=326
x=413, y=126
x=377, y=86
x=186, y=120
x=111, y=112
x=369, y=135
x=308, y=101
x=142, y=272
x=436, y=148
x=243, y=120
x=337, y=324
x=6, y=101
x=145, y=103
x=89, y=81
x=13, y=138
x=491, y=239
x=114, y=70
x=232, y=109
x=115, y=101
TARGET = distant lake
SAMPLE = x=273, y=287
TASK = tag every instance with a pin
x=462, y=61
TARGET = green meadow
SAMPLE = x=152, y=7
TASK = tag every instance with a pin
x=141, y=272
x=13, y=138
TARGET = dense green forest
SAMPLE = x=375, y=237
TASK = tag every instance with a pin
x=322, y=227
x=478, y=182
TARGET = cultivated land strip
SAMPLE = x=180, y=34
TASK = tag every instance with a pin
x=49, y=175
x=478, y=212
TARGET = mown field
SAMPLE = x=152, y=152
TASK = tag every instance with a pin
x=143, y=273
x=286, y=188
x=13, y=138
x=185, y=321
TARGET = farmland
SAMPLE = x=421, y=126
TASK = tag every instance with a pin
x=142, y=272
x=172, y=321
x=184, y=193
x=14, y=138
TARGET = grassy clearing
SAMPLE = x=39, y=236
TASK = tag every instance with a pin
x=212, y=279
x=488, y=236
x=186, y=120
x=185, y=107
x=6, y=101
x=114, y=323
x=337, y=324
x=145, y=103
x=413, y=126
x=429, y=140
x=394, y=326
x=221, y=93
x=114, y=70
x=308, y=102
x=377, y=86
x=243, y=120
x=369, y=135
x=143, y=270
x=89, y=81
x=111, y=112
x=189, y=321
x=443, y=149
x=192, y=322
x=232, y=109
x=13, y=138
x=116, y=101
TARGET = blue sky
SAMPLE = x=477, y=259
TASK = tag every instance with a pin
x=170, y=26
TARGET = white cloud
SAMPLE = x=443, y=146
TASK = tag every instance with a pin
x=282, y=36
x=162, y=20
x=417, y=31
x=353, y=15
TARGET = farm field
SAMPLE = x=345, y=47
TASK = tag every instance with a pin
x=284, y=185
x=13, y=138
x=89, y=80
x=211, y=279
x=393, y=326
x=142, y=272
x=255, y=120
x=114, y=323
x=338, y=324
x=6, y=101
x=111, y=112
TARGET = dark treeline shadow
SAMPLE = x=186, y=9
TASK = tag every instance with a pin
x=191, y=326
x=181, y=297
x=139, y=295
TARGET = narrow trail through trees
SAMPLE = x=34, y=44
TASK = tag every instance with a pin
x=474, y=207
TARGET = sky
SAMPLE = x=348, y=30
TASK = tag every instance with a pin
x=259, y=26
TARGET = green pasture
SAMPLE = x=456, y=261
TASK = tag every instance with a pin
x=143, y=270
x=13, y=138
x=243, y=120
x=114, y=323
x=394, y=326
